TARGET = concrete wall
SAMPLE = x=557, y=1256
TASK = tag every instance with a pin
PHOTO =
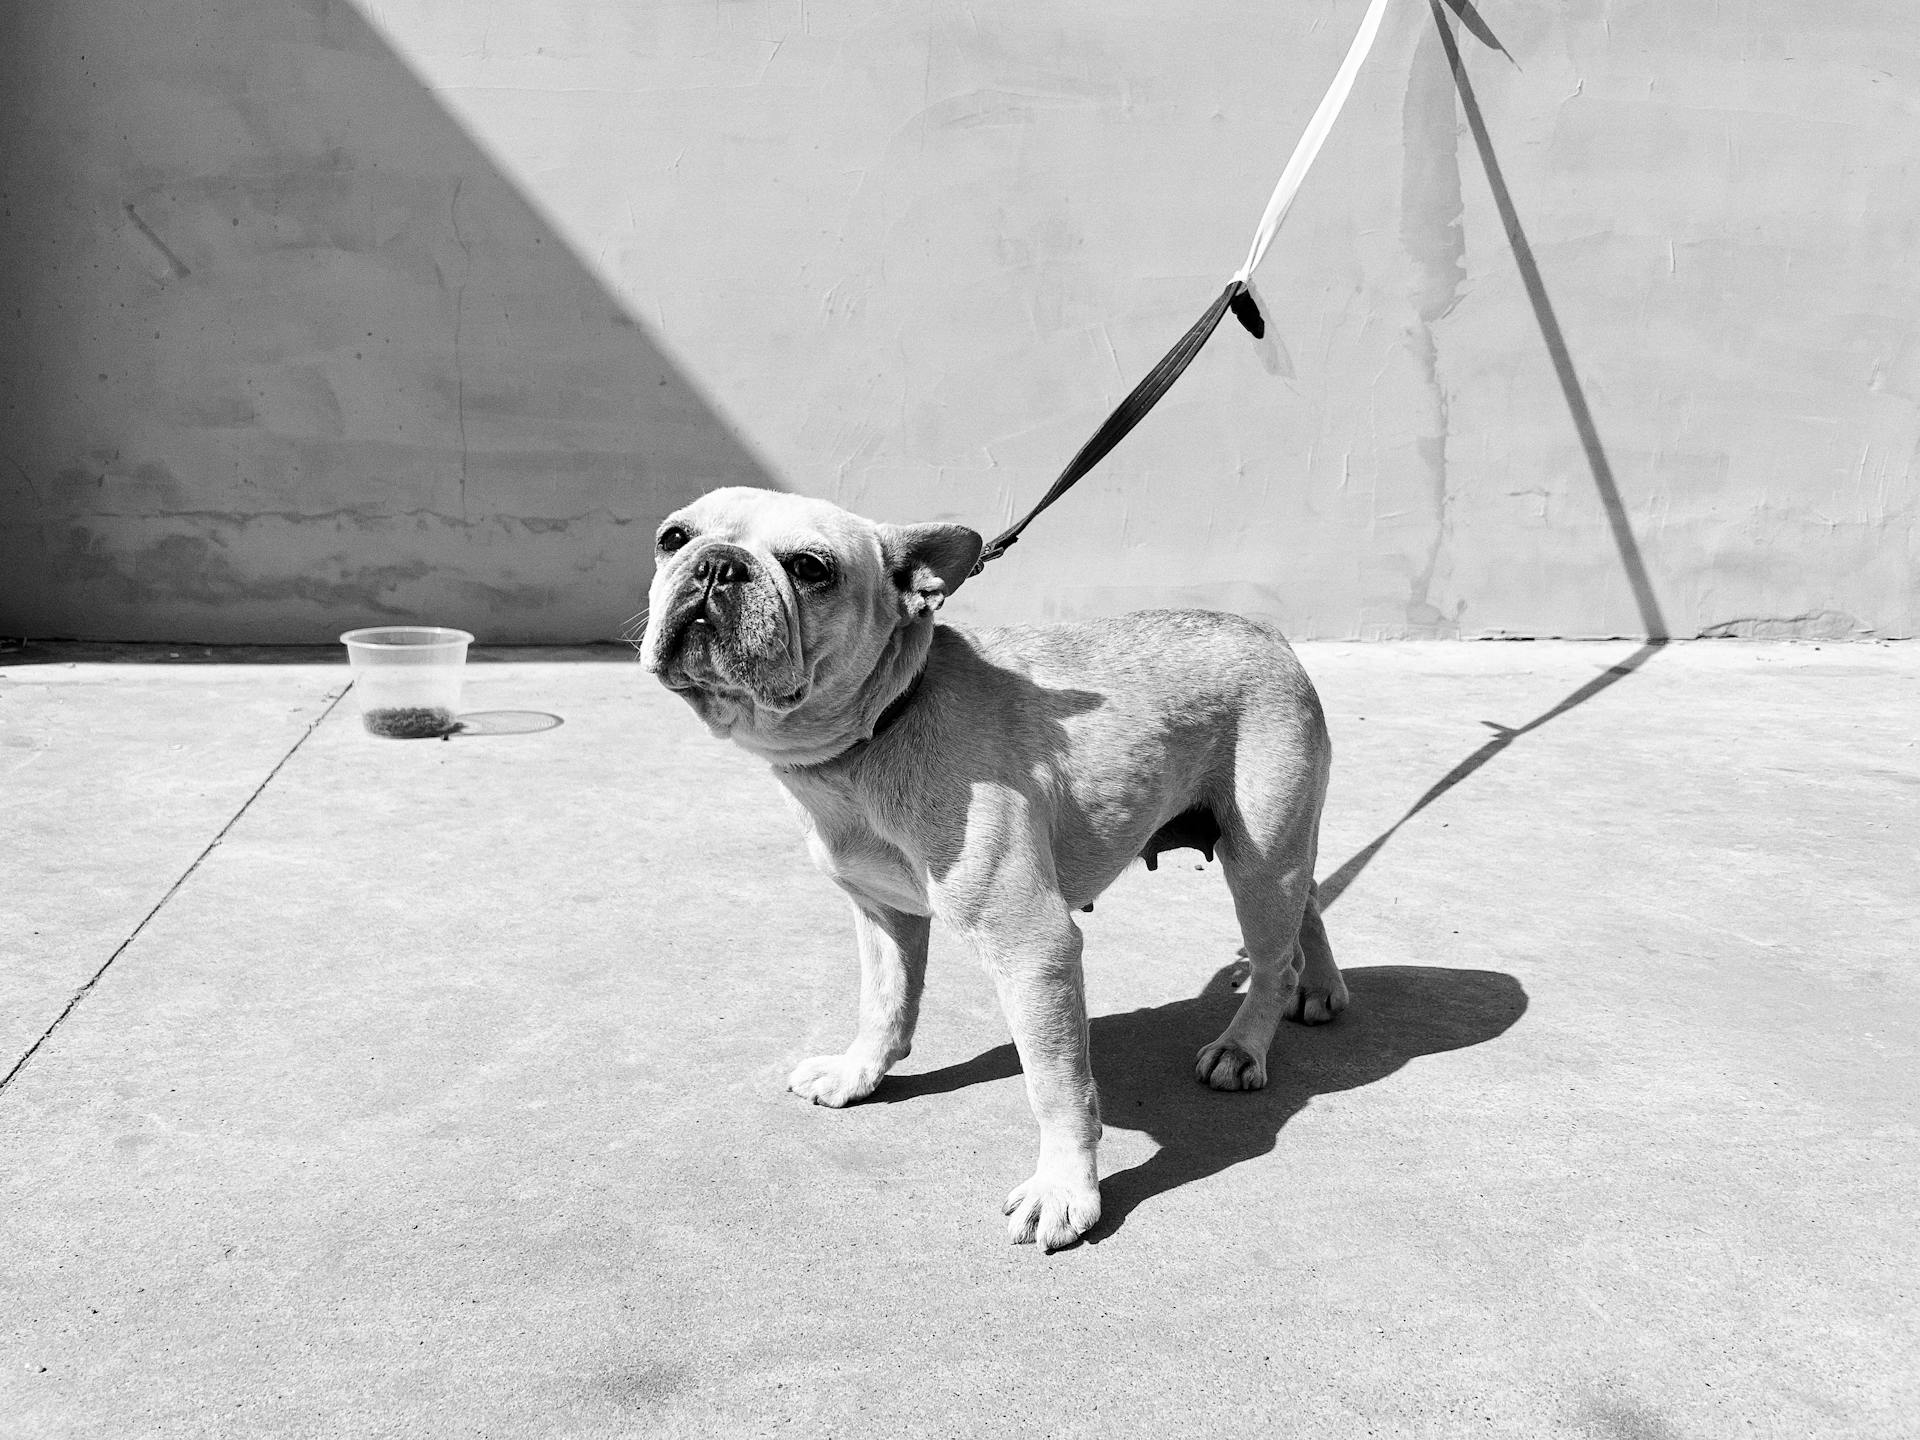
x=317, y=314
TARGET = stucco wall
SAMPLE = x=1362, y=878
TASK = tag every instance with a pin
x=317, y=314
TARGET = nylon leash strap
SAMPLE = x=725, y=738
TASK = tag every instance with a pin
x=1126, y=415
x=1239, y=296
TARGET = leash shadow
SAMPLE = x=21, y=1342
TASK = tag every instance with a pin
x=1143, y=1060
x=1632, y=563
x=1334, y=885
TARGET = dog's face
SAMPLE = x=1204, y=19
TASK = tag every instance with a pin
x=779, y=618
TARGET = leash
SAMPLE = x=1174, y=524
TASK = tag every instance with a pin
x=1240, y=297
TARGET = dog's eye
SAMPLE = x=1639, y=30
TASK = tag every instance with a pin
x=672, y=538
x=808, y=569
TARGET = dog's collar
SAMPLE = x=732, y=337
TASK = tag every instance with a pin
x=897, y=706
x=890, y=716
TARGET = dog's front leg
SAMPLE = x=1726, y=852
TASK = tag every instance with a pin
x=893, y=972
x=1041, y=990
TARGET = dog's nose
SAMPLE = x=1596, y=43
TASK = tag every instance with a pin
x=725, y=568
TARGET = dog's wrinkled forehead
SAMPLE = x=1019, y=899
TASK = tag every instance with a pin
x=774, y=523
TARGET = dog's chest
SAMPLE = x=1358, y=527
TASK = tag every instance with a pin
x=851, y=852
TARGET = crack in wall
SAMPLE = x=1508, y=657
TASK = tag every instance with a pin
x=175, y=265
x=459, y=323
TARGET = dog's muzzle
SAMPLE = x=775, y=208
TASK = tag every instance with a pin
x=726, y=625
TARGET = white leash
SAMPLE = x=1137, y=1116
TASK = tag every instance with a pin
x=1291, y=178
x=1308, y=149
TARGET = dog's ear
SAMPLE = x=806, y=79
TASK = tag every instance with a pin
x=927, y=563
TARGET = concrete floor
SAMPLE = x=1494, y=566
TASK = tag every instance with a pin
x=443, y=1095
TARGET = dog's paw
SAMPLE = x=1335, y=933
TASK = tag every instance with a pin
x=1052, y=1210
x=834, y=1080
x=1226, y=1065
x=1314, y=1005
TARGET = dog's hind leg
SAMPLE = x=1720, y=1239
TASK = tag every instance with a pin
x=1292, y=971
x=1321, y=993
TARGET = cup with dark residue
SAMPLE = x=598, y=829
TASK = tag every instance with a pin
x=408, y=678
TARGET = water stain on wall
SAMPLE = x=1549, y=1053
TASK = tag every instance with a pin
x=1431, y=228
x=204, y=565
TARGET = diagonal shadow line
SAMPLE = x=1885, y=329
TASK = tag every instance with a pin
x=352, y=201
x=1651, y=618
x=1331, y=888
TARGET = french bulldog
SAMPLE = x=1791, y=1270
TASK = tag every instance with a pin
x=999, y=780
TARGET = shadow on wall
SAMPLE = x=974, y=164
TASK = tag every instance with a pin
x=283, y=352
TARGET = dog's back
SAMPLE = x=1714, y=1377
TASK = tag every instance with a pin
x=1146, y=731
x=1173, y=658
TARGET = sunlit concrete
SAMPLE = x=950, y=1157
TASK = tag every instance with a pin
x=444, y=1095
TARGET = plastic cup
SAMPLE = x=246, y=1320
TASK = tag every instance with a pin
x=408, y=678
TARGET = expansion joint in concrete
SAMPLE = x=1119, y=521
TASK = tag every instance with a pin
x=172, y=890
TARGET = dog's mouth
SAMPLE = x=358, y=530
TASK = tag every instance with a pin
x=741, y=646
x=702, y=683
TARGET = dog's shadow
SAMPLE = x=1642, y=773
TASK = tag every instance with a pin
x=1144, y=1062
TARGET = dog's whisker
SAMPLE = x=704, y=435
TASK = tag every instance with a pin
x=634, y=629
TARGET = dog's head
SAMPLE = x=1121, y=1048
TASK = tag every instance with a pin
x=788, y=623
